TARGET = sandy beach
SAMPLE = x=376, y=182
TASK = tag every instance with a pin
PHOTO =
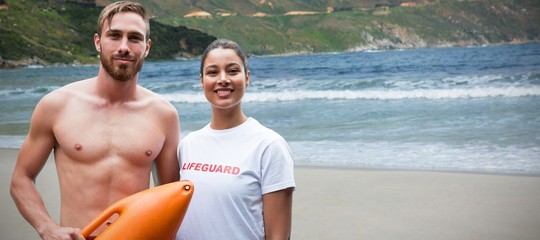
x=364, y=204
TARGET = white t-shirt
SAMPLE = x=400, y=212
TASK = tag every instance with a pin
x=231, y=169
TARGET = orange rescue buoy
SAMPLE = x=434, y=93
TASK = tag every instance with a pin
x=155, y=213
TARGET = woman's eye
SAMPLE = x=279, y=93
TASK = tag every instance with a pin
x=233, y=71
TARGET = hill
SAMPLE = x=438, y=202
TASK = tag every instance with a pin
x=382, y=26
x=61, y=31
x=171, y=8
x=63, y=34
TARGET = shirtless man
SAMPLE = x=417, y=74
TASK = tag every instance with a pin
x=105, y=132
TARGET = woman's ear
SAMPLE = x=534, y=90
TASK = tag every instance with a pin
x=202, y=83
x=248, y=76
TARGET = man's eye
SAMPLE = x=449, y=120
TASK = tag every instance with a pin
x=114, y=35
x=135, y=38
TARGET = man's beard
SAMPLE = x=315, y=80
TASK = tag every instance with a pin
x=123, y=72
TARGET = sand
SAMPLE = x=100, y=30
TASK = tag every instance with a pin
x=364, y=204
x=12, y=225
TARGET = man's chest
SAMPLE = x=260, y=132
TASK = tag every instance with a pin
x=98, y=136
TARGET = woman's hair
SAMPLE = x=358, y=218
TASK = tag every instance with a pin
x=122, y=6
x=225, y=44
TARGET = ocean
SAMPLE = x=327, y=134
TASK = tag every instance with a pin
x=466, y=109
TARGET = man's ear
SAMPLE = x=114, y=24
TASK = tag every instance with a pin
x=97, y=42
x=147, y=50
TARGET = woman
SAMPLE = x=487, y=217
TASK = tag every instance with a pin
x=241, y=170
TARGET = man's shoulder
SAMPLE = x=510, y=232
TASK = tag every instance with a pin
x=157, y=102
x=81, y=85
x=74, y=87
x=153, y=96
x=66, y=92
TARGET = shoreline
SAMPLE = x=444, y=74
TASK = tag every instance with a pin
x=381, y=169
x=38, y=63
x=371, y=169
x=339, y=203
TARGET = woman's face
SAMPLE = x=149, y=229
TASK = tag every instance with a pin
x=224, y=78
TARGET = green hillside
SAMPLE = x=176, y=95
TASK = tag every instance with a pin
x=448, y=23
x=40, y=32
x=35, y=32
x=179, y=8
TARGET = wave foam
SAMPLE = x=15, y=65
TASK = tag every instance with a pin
x=369, y=94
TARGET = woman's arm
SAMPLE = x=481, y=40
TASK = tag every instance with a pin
x=277, y=211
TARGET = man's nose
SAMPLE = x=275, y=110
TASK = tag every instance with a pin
x=124, y=47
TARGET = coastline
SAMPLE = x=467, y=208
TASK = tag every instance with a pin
x=36, y=62
x=331, y=203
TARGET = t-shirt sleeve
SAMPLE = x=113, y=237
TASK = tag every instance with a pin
x=277, y=167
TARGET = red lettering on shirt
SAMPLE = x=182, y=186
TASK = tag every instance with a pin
x=212, y=168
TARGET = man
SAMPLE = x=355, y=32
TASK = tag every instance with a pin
x=105, y=132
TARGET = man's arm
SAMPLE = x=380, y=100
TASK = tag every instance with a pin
x=31, y=159
x=167, y=160
x=277, y=211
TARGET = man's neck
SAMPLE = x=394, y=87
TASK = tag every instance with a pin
x=115, y=90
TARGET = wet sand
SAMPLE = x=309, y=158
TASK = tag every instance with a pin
x=364, y=204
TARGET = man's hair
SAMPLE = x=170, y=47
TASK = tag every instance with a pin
x=225, y=44
x=122, y=6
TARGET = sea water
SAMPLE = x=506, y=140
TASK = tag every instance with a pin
x=467, y=109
